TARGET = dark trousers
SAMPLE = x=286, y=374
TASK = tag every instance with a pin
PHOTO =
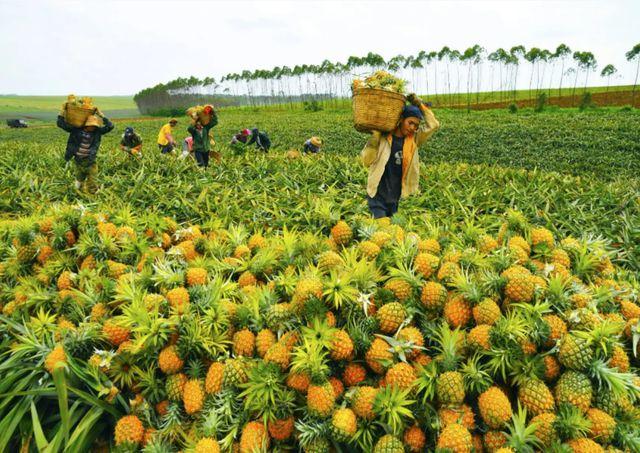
x=165, y=149
x=202, y=157
x=380, y=207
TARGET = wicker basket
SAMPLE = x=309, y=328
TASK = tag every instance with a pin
x=204, y=118
x=375, y=109
x=76, y=115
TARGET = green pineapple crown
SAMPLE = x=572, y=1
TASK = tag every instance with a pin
x=571, y=423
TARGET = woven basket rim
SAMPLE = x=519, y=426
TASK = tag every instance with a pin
x=388, y=93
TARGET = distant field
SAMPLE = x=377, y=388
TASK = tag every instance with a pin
x=45, y=108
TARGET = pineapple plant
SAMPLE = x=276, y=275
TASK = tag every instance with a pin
x=455, y=438
x=495, y=408
x=343, y=424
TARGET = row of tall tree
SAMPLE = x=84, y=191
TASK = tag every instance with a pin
x=447, y=76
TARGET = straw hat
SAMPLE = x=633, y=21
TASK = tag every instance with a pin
x=93, y=120
x=316, y=141
x=173, y=121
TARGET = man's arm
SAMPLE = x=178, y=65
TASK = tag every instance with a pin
x=62, y=124
x=429, y=125
x=108, y=125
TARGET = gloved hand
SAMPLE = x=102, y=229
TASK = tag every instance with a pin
x=99, y=113
x=375, y=138
x=414, y=100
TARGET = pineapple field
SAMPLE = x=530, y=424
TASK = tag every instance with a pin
x=256, y=306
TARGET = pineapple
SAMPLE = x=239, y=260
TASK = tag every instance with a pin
x=456, y=438
x=519, y=288
x=494, y=440
x=457, y=311
x=247, y=279
x=369, y=249
x=535, y=396
x=264, y=340
x=244, y=343
x=196, y=276
x=574, y=388
x=495, y=408
x=329, y=260
x=413, y=336
x=479, y=337
x=541, y=236
x=178, y=299
x=169, y=360
x=619, y=359
x=414, y=439
x=378, y=357
x=215, y=376
x=603, y=426
x=575, y=352
x=388, y=444
x=353, y=374
x=278, y=354
x=320, y=400
x=400, y=288
x=207, y=445
x=462, y=415
x=235, y=373
x=343, y=424
x=402, y=375
x=341, y=346
x=129, y=430
x=545, y=430
x=390, y=316
x=584, y=445
x=341, y=233
x=281, y=429
x=175, y=386
x=363, y=401
x=450, y=388
x=486, y=312
x=557, y=329
x=486, y=244
x=429, y=246
x=193, y=396
x=254, y=438
x=115, y=333
x=434, y=296
x=426, y=264
x=55, y=357
x=380, y=238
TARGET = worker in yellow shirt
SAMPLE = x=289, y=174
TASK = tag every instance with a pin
x=166, y=142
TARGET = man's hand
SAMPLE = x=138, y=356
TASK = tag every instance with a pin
x=99, y=113
x=376, y=135
x=414, y=100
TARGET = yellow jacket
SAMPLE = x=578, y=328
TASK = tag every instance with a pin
x=376, y=153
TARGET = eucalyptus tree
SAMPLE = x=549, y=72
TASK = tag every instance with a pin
x=634, y=54
x=516, y=52
x=608, y=71
x=562, y=53
x=532, y=57
x=587, y=63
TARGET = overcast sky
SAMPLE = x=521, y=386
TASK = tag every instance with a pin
x=102, y=47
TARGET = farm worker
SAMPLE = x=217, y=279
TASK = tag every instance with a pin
x=313, y=145
x=201, y=140
x=241, y=137
x=166, y=143
x=187, y=147
x=261, y=139
x=131, y=142
x=82, y=145
x=392, y=159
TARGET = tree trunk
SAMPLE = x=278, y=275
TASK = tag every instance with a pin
x=635, y=83
x=573, y=93
x=561, y=77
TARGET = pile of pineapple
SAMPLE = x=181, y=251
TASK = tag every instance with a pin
x=381, y=80
x=363, y=337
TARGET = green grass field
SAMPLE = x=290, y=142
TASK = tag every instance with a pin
x=45, y=108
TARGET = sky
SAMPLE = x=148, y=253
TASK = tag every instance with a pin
x=113, y=47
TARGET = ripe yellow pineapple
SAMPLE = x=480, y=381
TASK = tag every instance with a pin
x=169, y=360
x=193, y=396
x=429, y=246
x=257, y=241
x=557, y=329
x=329, y=260
x=298, y=381
x=380, y=238
x=353, y=374
x=584, y=445
x=559, y=256
x=487, y=244
x=196, y=276
x=519, y=241
x=244, y=343
x=479, y=337
x=426, y=264
x=414, y=439
x=343, y=424
x=494, y=440
x=320, y=400
x=457, y=311
x=247, y=279
x=545, y=430
x=541, y=236
x=341, y=346
x=462, y=415
x=178, y=299
x=214, y=379
x=254, y=438
x=603, y=426
x=390, y=316
x=187, y=249
x=362, y=402
x=56, y=356
x=536, y=397
x=341, y=233
x=495, y=408
x=402, y=375
x=235, y=372
x=487, y=312
x=207, y=445
x=369, y=249
x=400, y=288
x=115, y=333
x=264, y=340
x=129, y=429
x=281, y=429
x=279, y=354
x=413, y=335
x=456, y=438
x=175, y=386
x=448, y=271
x=519, y=287
x=388, y=444
x=433, y=296
x=619, y=359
